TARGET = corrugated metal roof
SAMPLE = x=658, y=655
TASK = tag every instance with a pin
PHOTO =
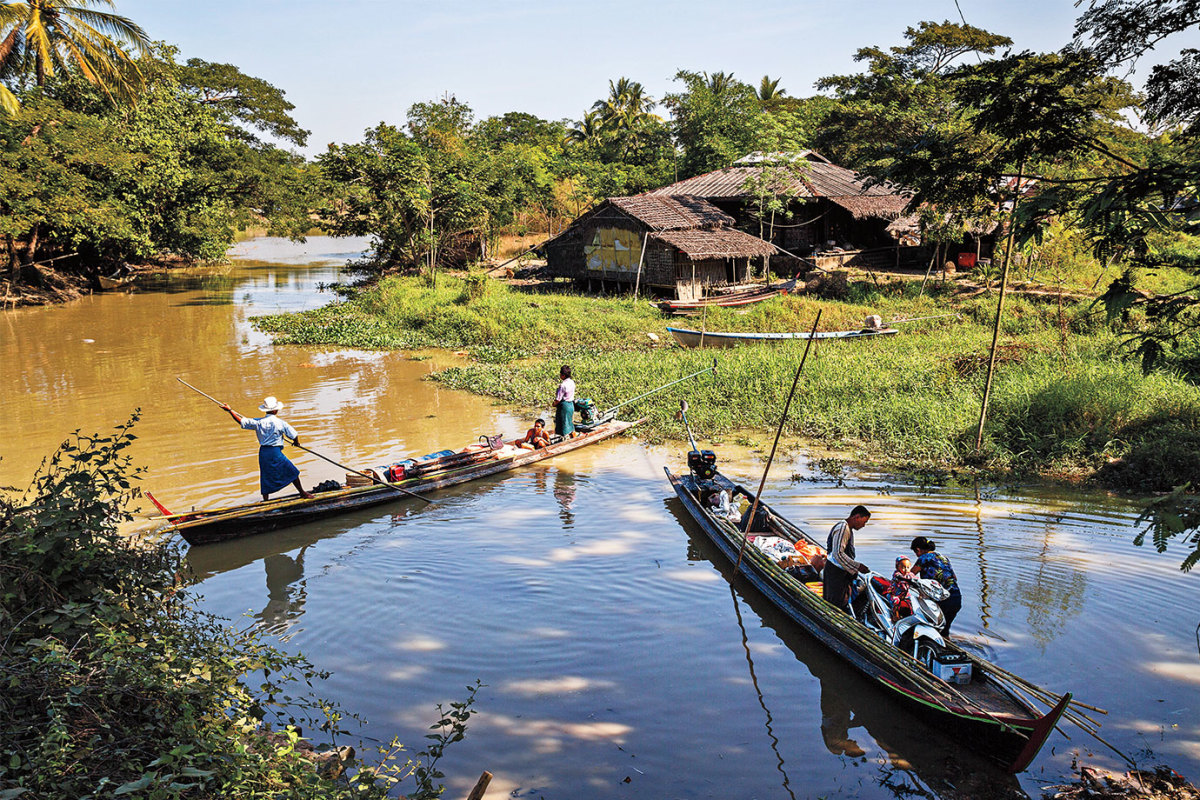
x=668, y=213
x=809, y=179
x=725, y=243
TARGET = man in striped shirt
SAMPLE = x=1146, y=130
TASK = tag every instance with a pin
x=841, y=568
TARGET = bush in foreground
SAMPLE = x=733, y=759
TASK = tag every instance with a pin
x=113, y=683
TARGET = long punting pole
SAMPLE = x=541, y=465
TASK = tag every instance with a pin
x=613, y=410
x=318, y=455
x=778, y=432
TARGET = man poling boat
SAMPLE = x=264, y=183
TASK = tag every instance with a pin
x=275, y=469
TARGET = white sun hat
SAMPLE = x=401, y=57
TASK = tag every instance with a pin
x=271, y=404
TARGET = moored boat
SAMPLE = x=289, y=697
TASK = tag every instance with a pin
x=989, y=710
x=690, y=338
x=731, y=300
x=216, y=525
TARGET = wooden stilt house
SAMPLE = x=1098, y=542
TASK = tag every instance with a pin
x=835, y=215
x=678, y=245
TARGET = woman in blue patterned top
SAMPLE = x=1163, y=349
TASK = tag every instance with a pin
x=932, y=564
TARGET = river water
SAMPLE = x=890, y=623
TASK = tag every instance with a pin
x=617, y=658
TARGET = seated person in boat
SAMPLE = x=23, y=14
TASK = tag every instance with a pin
x=536, y=437
x=275, y=470
x=722, y=503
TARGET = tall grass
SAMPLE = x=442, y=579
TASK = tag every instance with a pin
x=1064, y=402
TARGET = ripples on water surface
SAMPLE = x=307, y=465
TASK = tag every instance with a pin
x=611, y=645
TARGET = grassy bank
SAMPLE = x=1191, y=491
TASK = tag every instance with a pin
x=1065, y=403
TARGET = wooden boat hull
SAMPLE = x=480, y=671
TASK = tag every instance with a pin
x=690, y=338
x=1012, y=737
x=205, y=527
x=724, y=301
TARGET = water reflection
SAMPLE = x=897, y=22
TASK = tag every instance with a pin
x=286, y=592
x=737, y=610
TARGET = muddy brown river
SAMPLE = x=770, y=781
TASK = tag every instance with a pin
x=619, y=660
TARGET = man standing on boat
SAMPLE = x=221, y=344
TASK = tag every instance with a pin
x=841, y=568
x=276, y=471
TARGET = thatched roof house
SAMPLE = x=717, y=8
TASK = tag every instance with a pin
x=832, y=208
x=677, y=244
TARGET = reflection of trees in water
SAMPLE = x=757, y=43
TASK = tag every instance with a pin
x=1051, y=587
x=286, y=592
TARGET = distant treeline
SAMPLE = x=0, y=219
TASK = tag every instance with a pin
x=115, y=151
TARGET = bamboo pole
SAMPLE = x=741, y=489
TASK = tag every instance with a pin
x=778, y=433
x=1012, y=233
x=637, y=283
x=480, y=786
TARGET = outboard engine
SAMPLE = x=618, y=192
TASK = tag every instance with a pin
x=703, y=464
x=587, y=411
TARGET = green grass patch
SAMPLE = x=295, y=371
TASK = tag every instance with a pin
x=1064, y=404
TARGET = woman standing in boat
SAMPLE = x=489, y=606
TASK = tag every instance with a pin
x=564, y=404
x=932, y=564
x=276, y=471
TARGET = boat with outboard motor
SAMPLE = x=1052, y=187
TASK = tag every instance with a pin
x=989, y=708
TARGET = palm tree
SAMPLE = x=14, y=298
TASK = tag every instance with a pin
x=41, y=36
x=719, y=83
x=625, y=113
x=588, y=130
x=769, y=90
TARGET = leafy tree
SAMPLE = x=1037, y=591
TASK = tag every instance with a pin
x=242, y=100
x=42, y=37
x=713, y=120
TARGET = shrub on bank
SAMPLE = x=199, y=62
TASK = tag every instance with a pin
x=113, y=683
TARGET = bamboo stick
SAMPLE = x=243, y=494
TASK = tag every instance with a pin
x=480, y=786
x=778, y=433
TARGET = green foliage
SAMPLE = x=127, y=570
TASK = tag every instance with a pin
x=912, y=400
x=115, y=684
x=42, y=38
x=1174, y=514
x=242, y=99
x=713, y=120
x=175, y=173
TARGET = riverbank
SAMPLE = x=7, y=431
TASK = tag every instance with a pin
x=1066, y=404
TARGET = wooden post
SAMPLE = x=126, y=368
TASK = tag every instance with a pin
x=641, y=257
x=480, y=786
x=1012, y=233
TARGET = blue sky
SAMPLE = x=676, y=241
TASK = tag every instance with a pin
x=350, y=64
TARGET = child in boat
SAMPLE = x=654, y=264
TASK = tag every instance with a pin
x=536, y=437
x=898, y=592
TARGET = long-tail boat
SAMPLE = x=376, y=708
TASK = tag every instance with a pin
x=992, y=712
x=216, y=525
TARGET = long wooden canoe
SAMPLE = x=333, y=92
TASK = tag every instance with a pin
x=984, y=713
x=218, y=525
x=690, y=338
